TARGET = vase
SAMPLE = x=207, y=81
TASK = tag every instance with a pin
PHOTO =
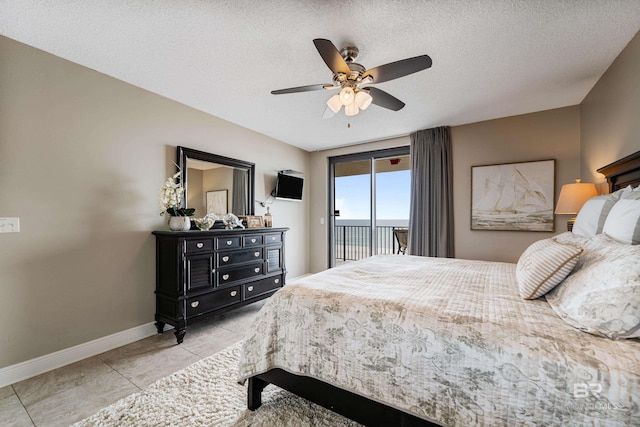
x=179, y=223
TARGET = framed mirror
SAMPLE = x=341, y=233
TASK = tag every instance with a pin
x=214, y=182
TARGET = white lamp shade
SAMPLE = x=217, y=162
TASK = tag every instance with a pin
x=347, y=96
x=351, y=109
x=363, y=99
x=334, y=103
x=573, y=196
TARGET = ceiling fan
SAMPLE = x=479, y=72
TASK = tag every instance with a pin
x=349, y=77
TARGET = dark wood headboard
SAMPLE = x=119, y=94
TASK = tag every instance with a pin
x=623, y=172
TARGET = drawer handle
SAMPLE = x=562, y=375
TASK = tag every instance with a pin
x=199, y=245
x=195, y=304
x=253, y=240
x=225, y=258
x=229, y=242
x=225, y=277
x=276, y=281
x=234, y=293
x=250, y=288
x=257, y=254
x=257, y=269
x=273, y=238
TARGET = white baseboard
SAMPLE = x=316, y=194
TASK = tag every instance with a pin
x=30, y=368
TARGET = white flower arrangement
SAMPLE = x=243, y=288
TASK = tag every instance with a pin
x=171, y=197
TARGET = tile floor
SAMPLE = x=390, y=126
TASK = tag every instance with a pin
x=74, y=392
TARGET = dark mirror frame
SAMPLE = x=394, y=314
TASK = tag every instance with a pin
x=188, y=153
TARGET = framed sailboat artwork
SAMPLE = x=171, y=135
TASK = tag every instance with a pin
x=513, y=196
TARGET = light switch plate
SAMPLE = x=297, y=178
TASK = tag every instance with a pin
x=9, y=225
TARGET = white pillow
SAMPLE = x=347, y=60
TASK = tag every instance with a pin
x=623, y=221
x=593, y=214
x=543, y=265
x=602, y=295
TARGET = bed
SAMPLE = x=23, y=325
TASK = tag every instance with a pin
x=404, y=340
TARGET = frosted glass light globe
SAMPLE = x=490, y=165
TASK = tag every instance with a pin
x=363, y=99
x=346, y=95
x=334, y=103
x=351, y=109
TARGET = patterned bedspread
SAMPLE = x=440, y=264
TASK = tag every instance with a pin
x=447, y=340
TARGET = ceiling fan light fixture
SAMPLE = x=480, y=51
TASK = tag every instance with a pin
x=349, y=76
x=347, y=96
x=334, y=103
x=363, y=99
x=351, y=109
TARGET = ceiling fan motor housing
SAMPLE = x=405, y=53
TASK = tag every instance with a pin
x=349, y=53
x=354, y=77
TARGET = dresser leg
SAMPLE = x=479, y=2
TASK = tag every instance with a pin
x=179, y=333
x=160, y=327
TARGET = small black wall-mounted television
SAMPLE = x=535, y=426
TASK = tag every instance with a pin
x=288, y=187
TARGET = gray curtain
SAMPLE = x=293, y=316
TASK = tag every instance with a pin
x=431, y=214
x=239, y=201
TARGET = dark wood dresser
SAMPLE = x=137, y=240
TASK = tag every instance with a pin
x=199, y=273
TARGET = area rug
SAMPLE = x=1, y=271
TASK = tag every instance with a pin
x=207, y=394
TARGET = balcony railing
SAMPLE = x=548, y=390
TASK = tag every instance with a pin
x=352, y=241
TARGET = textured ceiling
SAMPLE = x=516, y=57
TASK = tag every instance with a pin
x=491, y=58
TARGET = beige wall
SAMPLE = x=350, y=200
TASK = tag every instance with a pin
x=218, y=179
x=553, y=134
x=82, y=160
x=610, y=114
x=195, y=194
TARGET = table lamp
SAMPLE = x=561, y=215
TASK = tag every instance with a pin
x=572, y=197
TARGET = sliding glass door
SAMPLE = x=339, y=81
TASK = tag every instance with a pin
x=368, y=200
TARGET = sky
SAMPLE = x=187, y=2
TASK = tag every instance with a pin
x=352, y=195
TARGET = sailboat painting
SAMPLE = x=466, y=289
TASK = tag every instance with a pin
x=513, y=196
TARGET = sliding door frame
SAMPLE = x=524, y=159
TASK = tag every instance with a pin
x=372, y=156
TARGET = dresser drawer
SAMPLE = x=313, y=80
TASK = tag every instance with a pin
x=239, y=257
x=212, y=301
x=231, y=275
x=260, y=287
x=227, y=242
x=273, y=238
x=248, y=241
x=199, y=245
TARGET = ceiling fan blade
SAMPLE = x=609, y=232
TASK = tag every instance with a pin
x=308, y=88
x=331, y=56
x=383, y=99
x=328, y=113
x=402, y=68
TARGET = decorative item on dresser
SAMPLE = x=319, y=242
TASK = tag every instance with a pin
x=253, y=221
x=268, y=219
x=171, y=201
x=199, y=273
